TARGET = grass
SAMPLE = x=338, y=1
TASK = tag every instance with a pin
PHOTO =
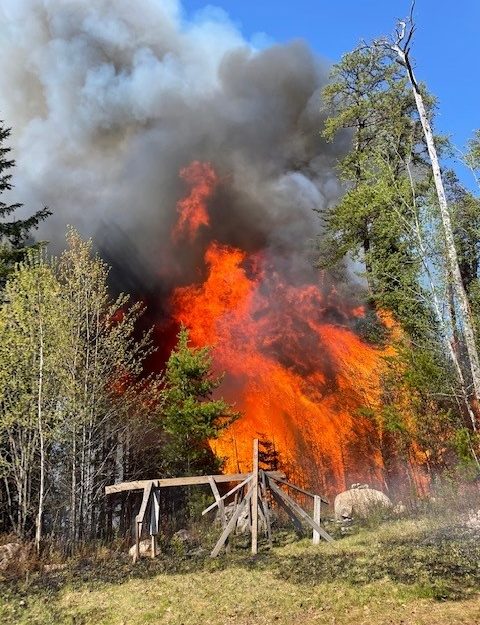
x=409, y=572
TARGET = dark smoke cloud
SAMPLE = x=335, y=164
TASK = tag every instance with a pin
x=109, y=99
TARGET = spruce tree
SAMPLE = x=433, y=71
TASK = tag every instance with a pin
x=14, y=233
x=191, y=417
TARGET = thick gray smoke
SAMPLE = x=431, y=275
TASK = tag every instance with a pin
x=109, y=99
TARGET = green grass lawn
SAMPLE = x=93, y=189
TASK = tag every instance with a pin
x=410, y=572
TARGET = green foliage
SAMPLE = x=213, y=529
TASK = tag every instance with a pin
x=72, y=388
x=377, y=219
x=190, y=415
x=14, y=234
x=34, y=326
x=473, y=154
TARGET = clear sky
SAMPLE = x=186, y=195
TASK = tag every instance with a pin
x=446, y=48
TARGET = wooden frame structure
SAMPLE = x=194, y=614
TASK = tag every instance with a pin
x=250, y=496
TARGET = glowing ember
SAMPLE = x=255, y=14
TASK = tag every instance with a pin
x=192, y=210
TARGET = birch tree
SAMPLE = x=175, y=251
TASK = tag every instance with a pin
x=108, y=395
x=33, y=331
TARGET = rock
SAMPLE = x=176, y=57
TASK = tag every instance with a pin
x=51, y=568
x=145, y=549
x=359, y=502
x=473, y=520
x=182, y=536
x=8, y=554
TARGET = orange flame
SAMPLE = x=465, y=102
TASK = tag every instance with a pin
x=298, y=379
x=192, y=210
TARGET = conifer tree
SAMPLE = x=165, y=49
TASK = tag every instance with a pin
x=14, y=233
x=191, y=416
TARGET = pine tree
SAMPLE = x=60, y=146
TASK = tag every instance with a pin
x=376, y=219
x=14, y=233
x=190, y=415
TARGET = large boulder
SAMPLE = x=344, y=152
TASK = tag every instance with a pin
x=10, y=553
x=359, y=501
x=145, y=549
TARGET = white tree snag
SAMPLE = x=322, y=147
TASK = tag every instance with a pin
x=401, y=47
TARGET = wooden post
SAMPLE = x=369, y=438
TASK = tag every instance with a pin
x=254, y=499
x=137, y=541
x=154, y=519
x=231, y=524
x=266, y=511
x=317, y=504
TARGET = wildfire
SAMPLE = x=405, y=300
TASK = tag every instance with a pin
x=192, y=210
x=294, y=365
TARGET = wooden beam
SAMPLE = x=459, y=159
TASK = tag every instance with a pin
x=227, y=495
x=254, y=498
x=264, y=504
x=183, y=481
x=231, y=524
x=298, y=489
x=299, y=511
x=294, y=519
x=143, y=508
x=317, y=506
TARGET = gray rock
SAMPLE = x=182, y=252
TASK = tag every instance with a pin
x=9, y=553
x=145, y=549
x=359, y=502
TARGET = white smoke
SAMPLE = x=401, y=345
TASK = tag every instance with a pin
x=109, y=99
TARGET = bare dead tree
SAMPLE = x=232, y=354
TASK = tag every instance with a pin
x=400, y=44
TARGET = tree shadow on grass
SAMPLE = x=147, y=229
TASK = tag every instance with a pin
x=443, y=564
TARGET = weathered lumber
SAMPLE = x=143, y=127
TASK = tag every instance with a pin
x=231, y=524
x=254, y=499
x=143, y=508
x=295, y=520
x=299, y=511
x=298, y=489
x=218, y=500
x=227, y=495
x=140, y=516
x=317, y=506
x=183, y=481
x=264, y=504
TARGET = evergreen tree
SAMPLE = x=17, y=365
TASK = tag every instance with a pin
x=190, y=415
x=375, y=219
x=14, y=233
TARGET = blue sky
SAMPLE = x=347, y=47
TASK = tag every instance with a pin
x=446, y=48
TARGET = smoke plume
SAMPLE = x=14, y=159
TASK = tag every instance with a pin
x=110, y=100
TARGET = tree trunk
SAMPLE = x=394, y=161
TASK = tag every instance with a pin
x=459, y=289
x=41, y=494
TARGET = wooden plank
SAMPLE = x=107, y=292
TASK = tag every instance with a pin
x=295, y=520
x=317, y=506
x=299, y=511
x=298, y=489
x=143, y=508
x=254, y=499
x=231, y=524
x=227, y=495
x=264, y=503
x=218, y=500
x=155, y=511
x=183, y=481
